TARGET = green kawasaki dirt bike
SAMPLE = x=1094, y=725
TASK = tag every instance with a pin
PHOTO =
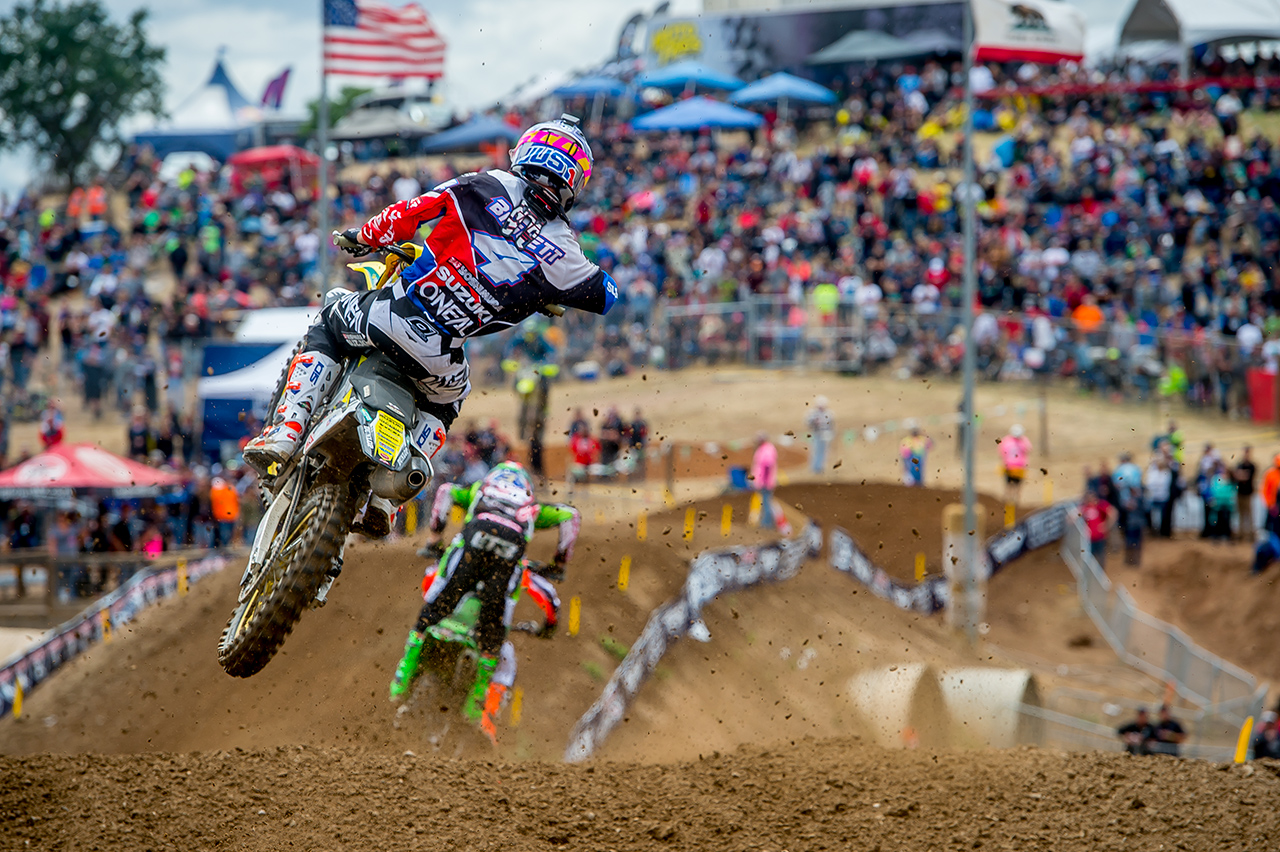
x=449, y=650
x=447, y=666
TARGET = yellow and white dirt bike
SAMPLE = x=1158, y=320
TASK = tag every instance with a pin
x=357, y=446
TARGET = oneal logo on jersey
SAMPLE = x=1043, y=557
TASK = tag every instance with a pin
x=448, y=312
x=454, y=303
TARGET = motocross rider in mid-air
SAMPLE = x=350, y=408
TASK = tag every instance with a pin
x=484, y=558
x=500, y=249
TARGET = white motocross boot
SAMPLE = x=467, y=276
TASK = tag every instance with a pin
x=311, y=376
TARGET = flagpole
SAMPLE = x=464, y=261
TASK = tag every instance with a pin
x=322, y=135
x=969, y=606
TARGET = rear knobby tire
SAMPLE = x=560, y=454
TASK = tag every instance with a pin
x=258, y=626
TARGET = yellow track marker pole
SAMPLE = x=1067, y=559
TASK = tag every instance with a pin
x=517, y=706
x=1242, y=744
x=726, y=520
x=575, y=615
x=624, y=573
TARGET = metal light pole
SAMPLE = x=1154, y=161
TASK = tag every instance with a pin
x=968, y=606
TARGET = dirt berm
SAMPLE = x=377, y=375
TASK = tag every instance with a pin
x=158, y=686
x=145, y=744
x=782, y=653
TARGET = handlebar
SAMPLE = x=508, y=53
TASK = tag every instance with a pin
x=406, y=256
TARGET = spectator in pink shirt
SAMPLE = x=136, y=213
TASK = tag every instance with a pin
x=1015, y=455
x=764, y=477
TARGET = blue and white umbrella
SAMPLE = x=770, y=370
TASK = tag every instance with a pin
x=697, y=113
x=681, y=75
x=783, y=87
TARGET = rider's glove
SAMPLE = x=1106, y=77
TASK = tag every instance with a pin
x=349, y=241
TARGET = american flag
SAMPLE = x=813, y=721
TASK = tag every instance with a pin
x=365, y=38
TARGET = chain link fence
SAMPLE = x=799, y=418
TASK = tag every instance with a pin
x=1128, y=358
x=1222, y=694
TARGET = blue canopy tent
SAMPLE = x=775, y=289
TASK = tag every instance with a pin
x=597, y=87
x=783, y=88
x=695, y=114
x=592, y=86
x=679, y=76
x=224, y=416
x=470, y=136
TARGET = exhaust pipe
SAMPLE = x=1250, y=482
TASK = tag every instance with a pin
x=401, y=485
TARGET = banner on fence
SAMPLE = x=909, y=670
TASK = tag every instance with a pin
x=711, y=573
x=103, y=617
x=929, y=596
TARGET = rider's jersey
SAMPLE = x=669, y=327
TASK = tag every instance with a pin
x=489, y=261
x=513, y=508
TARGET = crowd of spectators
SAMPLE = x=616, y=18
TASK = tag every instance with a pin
x=1128, y=237
x=1223, y=495
x=1125, y=240
x=617, y=448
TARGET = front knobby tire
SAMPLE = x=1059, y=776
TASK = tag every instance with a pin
x=296, y=567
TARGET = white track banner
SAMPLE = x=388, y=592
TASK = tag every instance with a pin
x=1027, y=31
x=712, y=573
x=102, y=618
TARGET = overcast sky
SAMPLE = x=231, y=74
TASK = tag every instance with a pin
x=494, y=45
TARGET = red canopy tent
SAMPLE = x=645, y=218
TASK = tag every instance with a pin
x=66, y=468
x=276, y=165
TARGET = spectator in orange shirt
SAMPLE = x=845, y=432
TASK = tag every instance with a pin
x=1270, y=484
x=1088, y=316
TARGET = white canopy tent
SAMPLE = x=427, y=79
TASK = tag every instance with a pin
x=275, y=325
x=1193, y=22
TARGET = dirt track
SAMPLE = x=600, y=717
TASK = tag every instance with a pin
x=831, y=794
x=754, y=747
x=1207, y=590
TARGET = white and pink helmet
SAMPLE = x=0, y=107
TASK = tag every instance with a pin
x=555, y=155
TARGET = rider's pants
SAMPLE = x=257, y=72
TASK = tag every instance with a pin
x=365, y=320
